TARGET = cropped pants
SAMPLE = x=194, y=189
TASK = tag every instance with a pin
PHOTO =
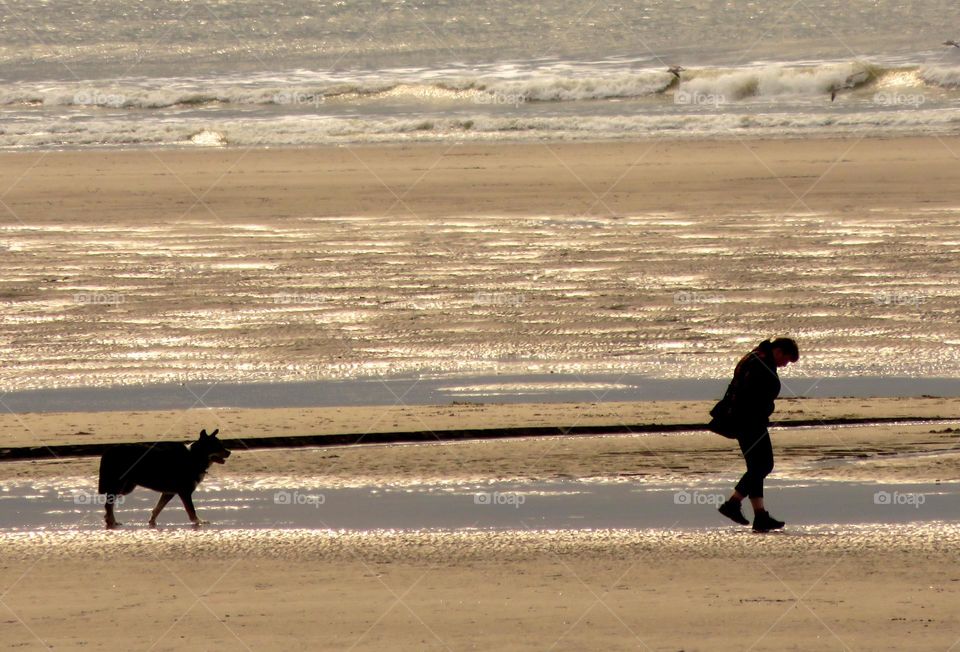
x=758, y=453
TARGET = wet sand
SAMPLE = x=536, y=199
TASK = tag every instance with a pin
x=234, y=265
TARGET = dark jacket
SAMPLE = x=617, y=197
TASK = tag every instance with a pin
x=748, y=403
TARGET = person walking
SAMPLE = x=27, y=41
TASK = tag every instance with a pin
x=744, y=414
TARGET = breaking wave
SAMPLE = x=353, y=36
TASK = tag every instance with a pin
x=772, y=81
x=942, y=76
x=576, y=85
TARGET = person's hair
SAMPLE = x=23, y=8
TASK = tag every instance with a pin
x=788, y=346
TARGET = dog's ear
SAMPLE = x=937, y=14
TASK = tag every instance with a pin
x=203, y=434
x=214, y=433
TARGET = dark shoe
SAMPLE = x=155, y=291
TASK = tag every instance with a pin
x=763, y=522
x=731, y=509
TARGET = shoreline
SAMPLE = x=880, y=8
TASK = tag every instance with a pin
x=746, y=137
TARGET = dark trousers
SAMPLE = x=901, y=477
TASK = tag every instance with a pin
x=758, y=453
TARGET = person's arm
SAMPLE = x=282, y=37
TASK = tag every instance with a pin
x=756, y=391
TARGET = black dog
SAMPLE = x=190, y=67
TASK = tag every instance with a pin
x=167, y=467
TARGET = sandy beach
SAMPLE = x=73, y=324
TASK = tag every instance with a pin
x=872, y=588
x=321, y=263
x=457, y=284
x=882, y=586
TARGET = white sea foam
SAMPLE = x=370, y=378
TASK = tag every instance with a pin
x=943, y=76
x=312, y=129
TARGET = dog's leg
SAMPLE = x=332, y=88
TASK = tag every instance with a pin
x=110, y=519
x=164, y=499
x=191, y=511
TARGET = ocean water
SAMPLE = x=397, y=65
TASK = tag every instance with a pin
x=191, y=302
x=253, y=73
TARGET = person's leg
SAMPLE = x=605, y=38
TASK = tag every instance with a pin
x=759, y=457
x=756, y=503
x=758, y=454
x=747, y=486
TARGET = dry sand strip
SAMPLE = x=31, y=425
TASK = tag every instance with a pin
x=923, y=453
x=431, y=436
x=868, y=587
x=69, y=428
x=889, y=453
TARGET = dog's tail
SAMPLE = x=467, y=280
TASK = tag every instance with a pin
x=110, y=480
x=103, y=485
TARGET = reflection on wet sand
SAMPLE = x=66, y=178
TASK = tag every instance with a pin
x=308, y=298
x=502, y=506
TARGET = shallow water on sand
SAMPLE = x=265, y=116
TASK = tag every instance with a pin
x=561, y=505
x=443, y=389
